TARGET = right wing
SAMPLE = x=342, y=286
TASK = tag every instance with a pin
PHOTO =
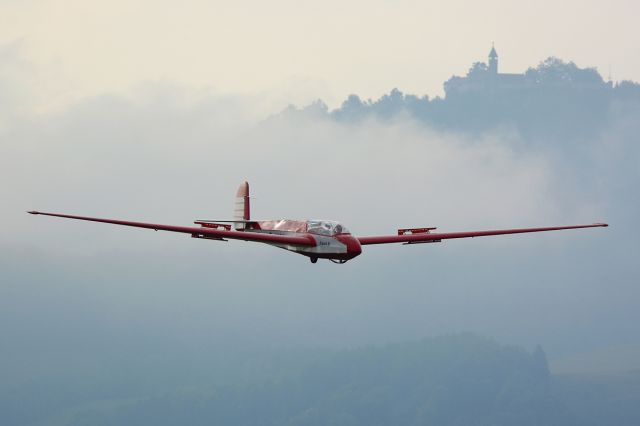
x=263, y=237
x=425, y=237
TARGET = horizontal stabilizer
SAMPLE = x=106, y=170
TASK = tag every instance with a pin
x=225, y=221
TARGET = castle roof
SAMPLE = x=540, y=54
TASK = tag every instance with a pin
x=493, y=54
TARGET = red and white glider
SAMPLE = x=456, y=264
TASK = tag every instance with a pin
x=316, y=239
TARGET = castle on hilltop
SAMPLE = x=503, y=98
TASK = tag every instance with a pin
x=485, y=78
x=553, y=100
x=504, y=78
x=482, y=76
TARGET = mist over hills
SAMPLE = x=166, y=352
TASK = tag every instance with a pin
x=555, y=102
x=448, y=380
x=114, y=326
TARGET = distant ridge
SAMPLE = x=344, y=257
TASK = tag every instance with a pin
x=552, y=102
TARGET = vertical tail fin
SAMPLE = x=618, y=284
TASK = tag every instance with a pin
x=242, y=209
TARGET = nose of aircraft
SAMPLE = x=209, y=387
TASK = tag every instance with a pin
x=352, y=243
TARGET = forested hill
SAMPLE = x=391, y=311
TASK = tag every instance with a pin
x=450, y=380
x=554, y=100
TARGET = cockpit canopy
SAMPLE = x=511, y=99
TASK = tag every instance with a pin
x=326, y=227
x=318, y=227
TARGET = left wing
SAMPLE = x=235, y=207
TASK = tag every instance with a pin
x=300, y=240
x=425, y=237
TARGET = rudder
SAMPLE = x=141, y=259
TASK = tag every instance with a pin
x=242, y=211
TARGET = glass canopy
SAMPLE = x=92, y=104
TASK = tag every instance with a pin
x=326, y=227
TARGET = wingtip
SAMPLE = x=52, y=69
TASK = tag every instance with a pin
x=33, y=212
x=601, y=224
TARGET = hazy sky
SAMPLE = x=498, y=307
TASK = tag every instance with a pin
x=295, y=51
x=155, y=158
x=153, y=111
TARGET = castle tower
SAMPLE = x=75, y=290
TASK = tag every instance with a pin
x=493, y=61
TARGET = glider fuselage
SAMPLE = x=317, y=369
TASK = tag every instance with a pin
x=333, y=240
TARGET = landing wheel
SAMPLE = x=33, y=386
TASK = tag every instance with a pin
x=313, y=259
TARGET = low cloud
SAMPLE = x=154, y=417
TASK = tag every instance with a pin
x=170, y=155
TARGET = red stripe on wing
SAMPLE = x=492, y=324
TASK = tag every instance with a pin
x=410, y=238
x=301, y=240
